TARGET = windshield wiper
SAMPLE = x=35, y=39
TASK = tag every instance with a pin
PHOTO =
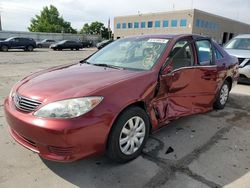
x=107, y=65
x=84, y=61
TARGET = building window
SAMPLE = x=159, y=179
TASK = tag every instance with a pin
x=173, y=23
x=198, y=23
x=118, y=26
x=165, y=23
x=202, y=24
x=136, y=25
x=130, y=25
x=150, y=24
x=143, y=24
x=157, y=23
x=206, y=25
x=183, y=23
x=124, y=25
x=210, y=25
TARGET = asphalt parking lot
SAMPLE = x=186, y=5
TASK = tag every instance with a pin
x=207, y=150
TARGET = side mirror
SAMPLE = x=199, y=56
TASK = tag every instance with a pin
x=168, y=69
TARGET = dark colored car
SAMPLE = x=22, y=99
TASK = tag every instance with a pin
x=87, y=44
x=103, y=44
x=45, y=43
x=66, y=44
x=114, y=99
x=27, y=44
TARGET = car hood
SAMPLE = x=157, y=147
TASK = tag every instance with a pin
x=239, y=53
x=70, y=82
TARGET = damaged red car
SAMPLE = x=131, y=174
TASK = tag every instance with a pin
x=111, y=102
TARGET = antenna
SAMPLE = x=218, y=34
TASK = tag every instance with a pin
x=0, y=20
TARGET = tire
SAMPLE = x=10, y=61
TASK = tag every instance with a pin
x=222, y=96
x=125, y=133
x=39, y=46
x=4, y=48
x=71, y=49
x=29, y=48
x=77, y=49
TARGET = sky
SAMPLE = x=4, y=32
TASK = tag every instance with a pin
x=16, y=14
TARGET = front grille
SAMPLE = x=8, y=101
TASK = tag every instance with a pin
x=61, y=151
x=25, y=104
x=241, y=60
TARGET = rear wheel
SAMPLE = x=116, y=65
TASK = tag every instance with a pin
x=39, y=46
x=29, y=48
x=4, y=48
x=128, y=135
x=223, y=96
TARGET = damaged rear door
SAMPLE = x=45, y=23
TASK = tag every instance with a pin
x=189, y=87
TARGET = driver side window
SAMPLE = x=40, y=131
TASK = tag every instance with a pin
x=182, y=55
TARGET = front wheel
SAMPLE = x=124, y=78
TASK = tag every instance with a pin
x=223, y=96
x=128, y=135
x=4, y=48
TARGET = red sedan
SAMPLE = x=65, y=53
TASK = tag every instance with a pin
x=114, y=99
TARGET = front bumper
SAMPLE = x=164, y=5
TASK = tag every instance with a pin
x=244, y=74
x=56, y=139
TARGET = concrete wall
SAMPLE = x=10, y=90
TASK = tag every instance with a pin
x=174, y=15
x=38, y=36
x=223, y=25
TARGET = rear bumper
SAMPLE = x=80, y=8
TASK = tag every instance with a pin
x=57, y=140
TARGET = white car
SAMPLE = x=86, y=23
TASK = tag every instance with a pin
x=240, y=47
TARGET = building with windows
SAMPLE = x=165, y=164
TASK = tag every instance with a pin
x=193, y=21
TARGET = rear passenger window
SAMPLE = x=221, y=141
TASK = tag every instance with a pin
x=218, y=54
x=204, y=51
x=183, y=56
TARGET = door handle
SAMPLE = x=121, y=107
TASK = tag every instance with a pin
x=207, y=77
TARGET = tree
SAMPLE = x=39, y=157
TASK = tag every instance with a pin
x=50, y=20
x=96, y=28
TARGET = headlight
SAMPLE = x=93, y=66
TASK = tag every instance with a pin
x=69, y=108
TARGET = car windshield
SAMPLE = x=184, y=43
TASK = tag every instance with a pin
x=239, y=43
x=8, y=39
x=62, y=42
x=131, y=53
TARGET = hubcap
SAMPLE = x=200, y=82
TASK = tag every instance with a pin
x=224, y=94
x=132, y=135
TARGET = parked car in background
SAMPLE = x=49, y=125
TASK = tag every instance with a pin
x=45, y=43
x=102, y=44
x=27, y=44
x=240, y=47
x=66, y=44
x=114, y=99
x=87, y=44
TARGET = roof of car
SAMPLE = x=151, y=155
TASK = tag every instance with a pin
x=243, y=36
